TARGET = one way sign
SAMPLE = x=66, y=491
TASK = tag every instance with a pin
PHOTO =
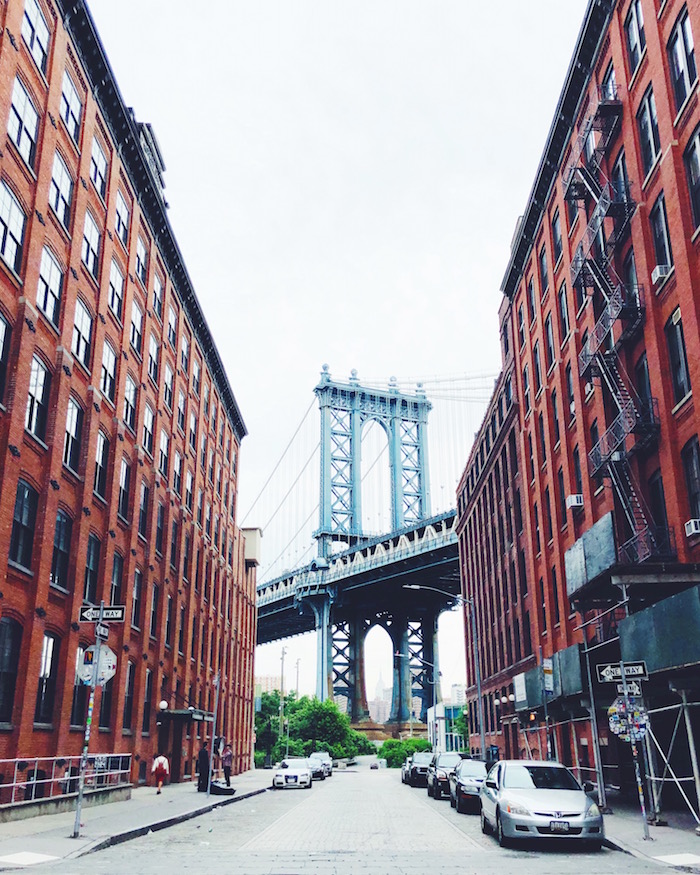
x=116, y=613
x=610, y=672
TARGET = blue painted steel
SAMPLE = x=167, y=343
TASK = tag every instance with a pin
x=345, y=409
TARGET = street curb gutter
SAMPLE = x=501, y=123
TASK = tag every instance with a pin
x=618, y=845
x=137, y=832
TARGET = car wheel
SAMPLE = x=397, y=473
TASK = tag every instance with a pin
x=309, y=785
x=485, y=828
x=323, y=777
x=502, y=840
x=460, y=805
x=429, y=789
x=437, y=792
x=595, y=845
x=453, y=803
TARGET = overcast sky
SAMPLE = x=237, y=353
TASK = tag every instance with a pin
x=344, y=181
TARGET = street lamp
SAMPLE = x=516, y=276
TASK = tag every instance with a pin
x=475, y=651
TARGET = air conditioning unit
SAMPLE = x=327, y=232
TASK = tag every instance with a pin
x=574, y=502
x=692, y=527
x=661, y=271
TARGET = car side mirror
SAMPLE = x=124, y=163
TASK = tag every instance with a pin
x=491, y=785
x=588, y=786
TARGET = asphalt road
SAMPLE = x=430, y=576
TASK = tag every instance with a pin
x=359, y=822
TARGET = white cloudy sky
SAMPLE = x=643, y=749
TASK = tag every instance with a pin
x=344, y=181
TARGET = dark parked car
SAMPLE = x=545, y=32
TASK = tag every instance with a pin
x=465, y=783
x=418, y=773
x=438, y=777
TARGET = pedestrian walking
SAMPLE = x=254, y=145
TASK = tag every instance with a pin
x=227, y=762
x=203, y=767
x=161, y=770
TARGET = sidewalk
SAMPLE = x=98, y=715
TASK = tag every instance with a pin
x=674, y=845
x=42, y=839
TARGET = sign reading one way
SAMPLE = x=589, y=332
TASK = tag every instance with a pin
x=609, y=673
x=88, y=614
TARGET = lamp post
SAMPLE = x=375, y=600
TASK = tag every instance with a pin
x=462, y=600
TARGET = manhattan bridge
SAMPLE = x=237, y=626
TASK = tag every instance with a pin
x=353, y=538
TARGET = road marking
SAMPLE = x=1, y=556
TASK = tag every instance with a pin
x=26, y=858
x=680, y=859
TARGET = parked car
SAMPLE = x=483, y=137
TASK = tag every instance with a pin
x=292, y=773
x=465, y=783
x=438, y=775
x=405, y=770
x=533, y=799
x=324, y=758
x=418, y=773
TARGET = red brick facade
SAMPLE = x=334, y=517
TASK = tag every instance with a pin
x=102, y=330
x=597, y=289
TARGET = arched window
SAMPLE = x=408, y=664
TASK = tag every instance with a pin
x=10, y=640
x=46, y=691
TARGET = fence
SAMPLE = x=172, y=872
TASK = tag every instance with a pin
x=26, y=779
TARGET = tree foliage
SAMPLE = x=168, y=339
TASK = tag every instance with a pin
x=395, y=750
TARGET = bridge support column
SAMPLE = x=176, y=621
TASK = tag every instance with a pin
x=321, y=606
x=431, y=660
x=359, y=711
x=401, y=692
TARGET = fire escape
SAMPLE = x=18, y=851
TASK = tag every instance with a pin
x=620, y=315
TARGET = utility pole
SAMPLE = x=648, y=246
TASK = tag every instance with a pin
x=217, y=684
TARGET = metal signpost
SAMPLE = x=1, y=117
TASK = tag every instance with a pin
x=547, y=690
x=629, y=721
x=99, y=666
x=213, y=730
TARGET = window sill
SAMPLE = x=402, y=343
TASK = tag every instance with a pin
x=637, y=71
x=652, y=171
x=72, y=473
x=662, y=9
x=558, y=262
x=17, y=567
x=696, y=234
x=43, y=727
x=54, y=587
x=7, y=727
x=684, y=106
x=565, y=340
x=35, y=439
x=573, y=224
x=664, y=282
x=557, y=446
x=684, y=400
x=127, y=732
x=599, y=490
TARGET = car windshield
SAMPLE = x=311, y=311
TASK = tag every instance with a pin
x=473, y=769
x=447, y=760
x=422, y=758
x=539, y=777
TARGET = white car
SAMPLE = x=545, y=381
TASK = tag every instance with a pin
x=292, y=773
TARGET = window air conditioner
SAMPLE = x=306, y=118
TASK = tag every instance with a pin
x=660, y=272
x=692, y=527
x=575, y=501
x=616, y=456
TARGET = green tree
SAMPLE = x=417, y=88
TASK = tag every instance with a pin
x=395, y=751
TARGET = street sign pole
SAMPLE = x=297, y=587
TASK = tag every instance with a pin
x=635, y=752
x=217, y=684
x=88, y=727
x=544, y=698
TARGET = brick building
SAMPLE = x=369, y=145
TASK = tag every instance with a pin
x=601, y=333
x=119, y=431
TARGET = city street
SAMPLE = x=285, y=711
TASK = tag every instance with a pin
x=359, y=821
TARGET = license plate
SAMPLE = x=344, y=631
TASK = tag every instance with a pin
x=559, y=825
x=292, y=779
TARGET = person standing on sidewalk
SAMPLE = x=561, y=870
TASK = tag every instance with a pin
x=161, y=769
x=203, y=767
x=227, y=763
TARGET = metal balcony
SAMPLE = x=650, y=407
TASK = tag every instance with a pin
x=603, y=119
x=624, y=304
x=613, y=439
x=652, y=542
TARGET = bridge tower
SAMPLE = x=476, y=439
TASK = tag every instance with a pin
x=345, y=410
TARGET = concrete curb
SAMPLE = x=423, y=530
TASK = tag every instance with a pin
x=139, y=831
x=619, y=845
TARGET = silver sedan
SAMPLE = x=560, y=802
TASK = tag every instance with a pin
x=530, y=799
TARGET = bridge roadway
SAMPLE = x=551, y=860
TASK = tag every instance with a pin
x=359, y=822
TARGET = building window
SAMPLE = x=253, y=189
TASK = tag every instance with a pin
x=92, y=570
x=153, y=353
x=543, y=442
x=71, y=107
x=108, y=382
x=196, y=376
x=136, y=599
x=531, y=300
x=106, y=705
x=648, y=131
x=570, y=390
x=164, y=451
x=181, y=412
x=181, y=632
x=147, y=700
x=148, y=428
x=193, y=431
x=98, y=168
x=537, y=528
x=38, y=399
x=677, y=356
x=657, y=503
x=690, y=455
x=91, y=245
x=121, y=219
x=48, y=669
x=211, y=466
x=143, y=509
x=10, y=641
x=5, y=336
x=35, y=33
x=185, y=353
x=177, y=473
x=169, y=622
x=61, y=190
x=81, y=346
x=23, y=523
x=116, y=290
x=117, y=577
x=172, y=326
x=556, y=237
x=577, y=471
x=130, y=394
x=50, y=288
x=168, y=380
x=80, y=692
x=659, y=231
x=563, y=313
x=128, y=696
x=141, y=260
x=72, y=439
x=643, y=384
x=681, y=56
x=136, y=337
x=549, y=341
x=200, y=506
x=153, y=625
x=189, y=480
x=12, y=220
x=23, y=123
x=101, y=462
x=158, y=296
x=544, y=277
x=160, y=528
x=562, y=496
x=124, y=484
x=634, y=34
x=692, y=167
x=543, y=607
x=537, y=367
x=61, y=551
x=526, y=389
